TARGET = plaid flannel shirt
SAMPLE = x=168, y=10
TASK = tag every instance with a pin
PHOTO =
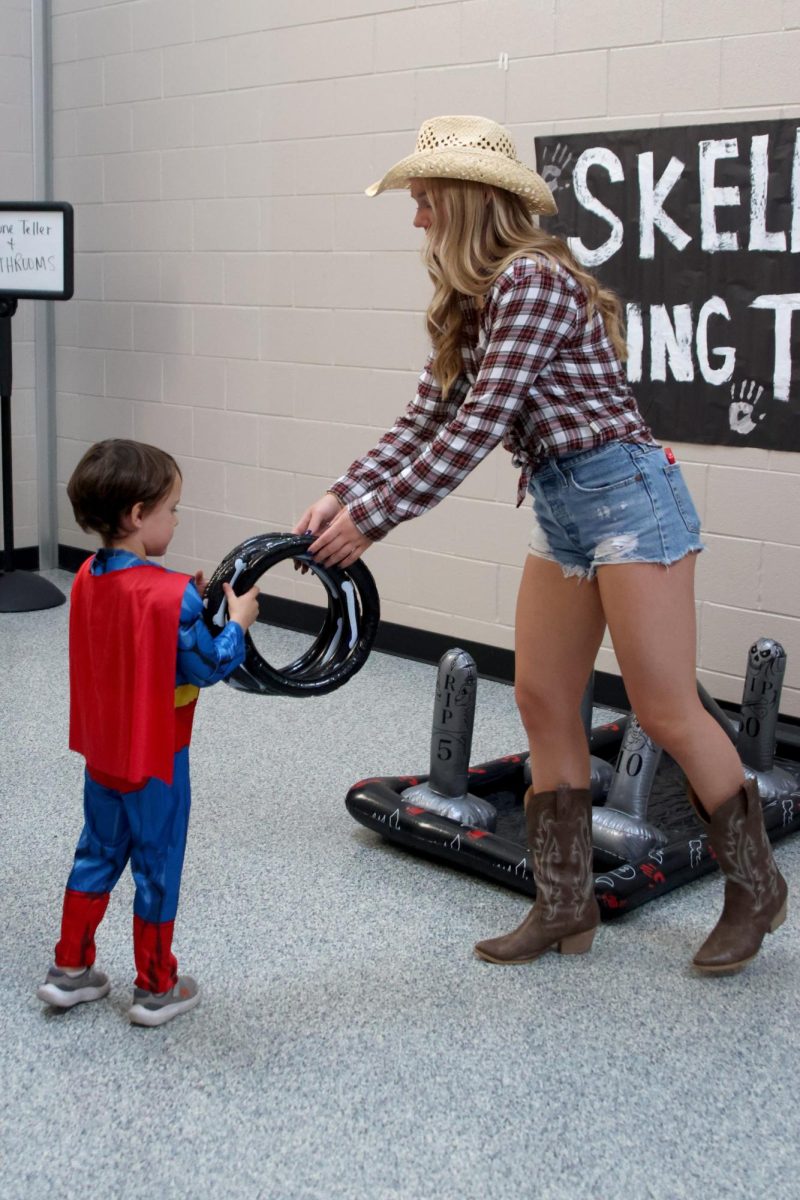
x=539, y=375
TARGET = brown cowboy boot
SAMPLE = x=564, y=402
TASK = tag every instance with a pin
x=565, y=914
x=755, y=890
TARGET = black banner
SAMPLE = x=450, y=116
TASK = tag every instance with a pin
x=698, y=230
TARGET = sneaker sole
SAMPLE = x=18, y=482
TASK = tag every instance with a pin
x=139, y=1015
x=58, y=998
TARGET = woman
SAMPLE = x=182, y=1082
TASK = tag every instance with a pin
x=527, y=350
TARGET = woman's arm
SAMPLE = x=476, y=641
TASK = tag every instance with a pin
x=418, y=426
x=425, y=415
x=533, y=309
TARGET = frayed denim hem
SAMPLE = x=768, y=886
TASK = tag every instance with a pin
x=581, y=573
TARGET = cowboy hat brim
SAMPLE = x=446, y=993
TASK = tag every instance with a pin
x=476, y=165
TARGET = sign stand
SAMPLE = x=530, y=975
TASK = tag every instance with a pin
x=36, y=264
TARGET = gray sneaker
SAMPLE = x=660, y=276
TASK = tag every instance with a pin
x=65, y=991
x=156, y=1008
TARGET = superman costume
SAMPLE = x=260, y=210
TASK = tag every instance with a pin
x=139, y=653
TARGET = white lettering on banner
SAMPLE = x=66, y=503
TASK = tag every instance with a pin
x=651, y=206
x=784, y=306
x=673, y=337
x=796, y=195
x=653, y=196
x=635, y=330
x=597, y=156
x=717, y=307
x=713, y=197
x=673, y=341
x=760, y=237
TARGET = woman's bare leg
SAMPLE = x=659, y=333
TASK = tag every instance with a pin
x=651, y=617
x=559, y=627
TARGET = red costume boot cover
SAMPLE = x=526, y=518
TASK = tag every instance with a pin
x=156, y=965
x=82, y=913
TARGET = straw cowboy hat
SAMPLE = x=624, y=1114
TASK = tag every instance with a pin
x=472, y=148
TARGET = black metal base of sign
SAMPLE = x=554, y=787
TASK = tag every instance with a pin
x=22, y=591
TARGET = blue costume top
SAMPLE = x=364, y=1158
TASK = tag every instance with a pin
x=202, y=658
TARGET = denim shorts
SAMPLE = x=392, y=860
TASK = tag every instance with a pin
x=619, y=503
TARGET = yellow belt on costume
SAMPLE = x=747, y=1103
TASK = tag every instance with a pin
x=185, y=694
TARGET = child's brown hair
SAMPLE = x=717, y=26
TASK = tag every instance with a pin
x=114, y=475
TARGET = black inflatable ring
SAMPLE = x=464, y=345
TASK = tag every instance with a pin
x=348, y=631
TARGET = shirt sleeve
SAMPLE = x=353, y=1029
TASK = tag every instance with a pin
x=418, y=426
x=533, y=309
x=204, y=659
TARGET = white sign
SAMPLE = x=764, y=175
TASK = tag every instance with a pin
x=35, y=253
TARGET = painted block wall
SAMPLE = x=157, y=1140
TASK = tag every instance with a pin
x=16, y=183
x=242, y=303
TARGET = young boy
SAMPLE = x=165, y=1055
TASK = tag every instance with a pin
x=139, y=653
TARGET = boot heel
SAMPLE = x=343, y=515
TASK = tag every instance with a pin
x=778, y=919
x=577, y=943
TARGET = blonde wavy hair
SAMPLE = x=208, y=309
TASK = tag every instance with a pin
x=476, y=232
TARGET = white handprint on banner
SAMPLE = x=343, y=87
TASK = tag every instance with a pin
x=741, y=411
x=554, y=169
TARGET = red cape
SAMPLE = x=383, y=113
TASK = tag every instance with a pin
x=123, y=647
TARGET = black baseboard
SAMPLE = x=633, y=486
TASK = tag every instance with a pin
x=492, y=662
x=70, y=557
x=24, y=558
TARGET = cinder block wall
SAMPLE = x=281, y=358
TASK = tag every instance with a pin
x=16, y=183
x=240, y=302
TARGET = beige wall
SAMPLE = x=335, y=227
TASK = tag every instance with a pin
x=240, y=302
x=16, y=183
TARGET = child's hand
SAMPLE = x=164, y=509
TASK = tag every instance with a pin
x=200, y=582
x=242, y=609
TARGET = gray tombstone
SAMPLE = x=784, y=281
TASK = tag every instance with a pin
x=445, y=792
x=729, y=725
x=600, y=772
x=766, y=667
x=621, y=828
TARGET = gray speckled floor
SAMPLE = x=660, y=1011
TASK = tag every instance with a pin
x=348, y=1044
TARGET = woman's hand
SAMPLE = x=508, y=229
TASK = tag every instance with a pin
x=316, y=518
x=319, y=514
x=340, y=544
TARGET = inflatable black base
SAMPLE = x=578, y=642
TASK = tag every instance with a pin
x=502, y=855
